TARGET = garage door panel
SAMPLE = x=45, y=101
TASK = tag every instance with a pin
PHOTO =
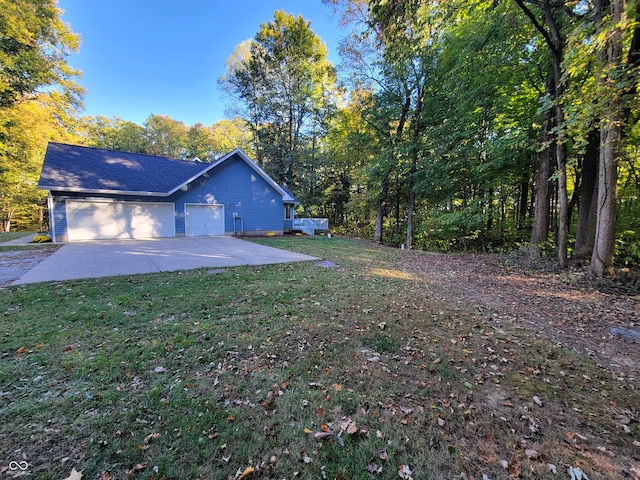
x=107, y=220
x=204, y=220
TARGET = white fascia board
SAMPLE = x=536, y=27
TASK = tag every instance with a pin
x=103, y=192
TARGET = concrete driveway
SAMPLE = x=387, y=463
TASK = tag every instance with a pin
x=128, y=257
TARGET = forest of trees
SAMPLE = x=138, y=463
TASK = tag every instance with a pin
x=462, y=125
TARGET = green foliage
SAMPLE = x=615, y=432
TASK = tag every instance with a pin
x=33, y=45
x=285, y=86
x=628, y=249
x=38, y=100
x=162, y=135
x=25, y=130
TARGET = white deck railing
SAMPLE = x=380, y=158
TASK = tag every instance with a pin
x=311, y=225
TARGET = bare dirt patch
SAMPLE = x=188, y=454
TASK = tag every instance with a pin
x=561, y=306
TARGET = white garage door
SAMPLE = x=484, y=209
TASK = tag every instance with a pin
x=204, y=220
x=104, y=220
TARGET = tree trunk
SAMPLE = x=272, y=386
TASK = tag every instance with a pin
x=415, y=152
x=555, y=41
x=586, y=225
x=382, y=200
x=610, y=143
x=562, y=239
x=603, y=248
x=540, y=230
x=382, y=205
x=524, y=200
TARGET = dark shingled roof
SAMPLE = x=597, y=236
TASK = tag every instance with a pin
x=85, y=169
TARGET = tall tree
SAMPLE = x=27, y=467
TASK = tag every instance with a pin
x=286, y=84
x=616, y=79
x=548, y=18
x=34, y=44
x=25, y=130
x=227, y=135
x=113, y=134
x=165, y=136
x=38, y=97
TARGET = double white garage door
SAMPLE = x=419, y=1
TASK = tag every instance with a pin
x=91, y=220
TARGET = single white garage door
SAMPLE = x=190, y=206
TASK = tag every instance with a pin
x=204, y=220
x=103, y=220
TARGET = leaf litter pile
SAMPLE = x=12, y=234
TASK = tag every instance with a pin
x=390, y=364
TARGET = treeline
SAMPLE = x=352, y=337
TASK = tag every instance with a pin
x=489, y=124
x=482, y=125
x=163, y=136
x=457, y=125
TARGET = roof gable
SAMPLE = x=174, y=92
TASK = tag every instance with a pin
x=287, y=196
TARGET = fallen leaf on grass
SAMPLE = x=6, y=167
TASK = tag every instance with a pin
x=406, y=410
x=577, y=474
x=137, y=468
x=531, y=453
x=537, y=400
x=21, y=350
x=306, y=458
x=321, y=435
x=245, y=473
x=608, y=452
x=159, y=369
x=405, y=472
x=75, y=475
x=152, y=436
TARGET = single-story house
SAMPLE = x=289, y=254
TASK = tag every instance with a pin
x=105, y=194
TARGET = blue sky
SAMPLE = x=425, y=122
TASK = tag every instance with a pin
x=140, y=57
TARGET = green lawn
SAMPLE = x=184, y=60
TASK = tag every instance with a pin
x=8, y=236
x=295, y=370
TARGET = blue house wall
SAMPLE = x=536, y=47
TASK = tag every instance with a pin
x=232, y=184
x=239, y=189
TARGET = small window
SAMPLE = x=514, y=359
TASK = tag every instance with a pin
x=287, y=211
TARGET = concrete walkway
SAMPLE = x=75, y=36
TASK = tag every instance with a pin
x=129, y=257
x=20, y=241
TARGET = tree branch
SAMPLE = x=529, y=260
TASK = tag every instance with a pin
x=545, y=33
